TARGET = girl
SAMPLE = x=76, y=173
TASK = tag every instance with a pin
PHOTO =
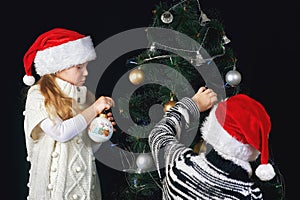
x=57, y=112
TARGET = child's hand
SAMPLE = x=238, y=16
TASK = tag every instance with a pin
x=111, y=119
x=103, y=103
x=205, y=98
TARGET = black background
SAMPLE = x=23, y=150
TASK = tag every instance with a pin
x=264, y=36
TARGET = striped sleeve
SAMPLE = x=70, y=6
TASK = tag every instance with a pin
x=164, y=136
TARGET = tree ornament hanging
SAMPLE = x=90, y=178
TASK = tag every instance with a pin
x=144, y=162
x=203, y=19
x=136, y=76
x=225, y=39
x=233, y=77
x=100, y=129
x=167, y=17
x=152, y=48
x=198, y=60
x=168, y=105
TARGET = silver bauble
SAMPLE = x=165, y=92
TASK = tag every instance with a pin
x=144, y=161
x=166, y=17
x=233, y=77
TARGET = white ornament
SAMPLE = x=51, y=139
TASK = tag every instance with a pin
x=233, y=77
x=198, y=60
x=152, y=48
x=100, y=129
x=144, y=161
x=166, y=17
x=225, y=39
x=204, y=19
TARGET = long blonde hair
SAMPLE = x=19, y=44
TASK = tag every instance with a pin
x=56, y=102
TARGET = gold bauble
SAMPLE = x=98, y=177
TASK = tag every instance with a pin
x=136, y=76
x=169, y=105
x=200, y=147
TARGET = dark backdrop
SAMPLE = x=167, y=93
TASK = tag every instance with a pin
x=264, y=36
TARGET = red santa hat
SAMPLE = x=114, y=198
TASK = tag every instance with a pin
x=56, y=50
x=239, y=128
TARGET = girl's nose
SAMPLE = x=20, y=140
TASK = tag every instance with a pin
x=85, y=71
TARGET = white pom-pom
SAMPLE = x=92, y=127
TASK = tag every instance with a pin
x=28, y=80
x=265, y=172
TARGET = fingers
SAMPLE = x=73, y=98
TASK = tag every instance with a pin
x=108, y=100
x=201, y=89
x=111, y=119
x=213, y=96
x=109, y=114
x=103, y=103
x=205, y=98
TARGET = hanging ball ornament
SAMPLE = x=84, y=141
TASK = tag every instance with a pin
x=168, y=105
x=144, y=161
x=136, y=76
x=233, y=77
x=167, y=17
x=100, y=129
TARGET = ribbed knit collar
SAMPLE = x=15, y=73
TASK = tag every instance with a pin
x=76, y=92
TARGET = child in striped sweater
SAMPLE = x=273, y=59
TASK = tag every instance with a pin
x=236, y=133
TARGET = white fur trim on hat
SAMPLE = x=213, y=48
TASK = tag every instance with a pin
x=217, y=136
x=226, y=145
x=63, y=56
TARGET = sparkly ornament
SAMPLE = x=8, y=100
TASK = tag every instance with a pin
x=168, y=105
x=167, y=17
x=100, y=129
x=152, y=48
x=136, y=76
x=198, y=61
x=144, y=161
x=233, y=77
x=225, y=39
x=204, y=19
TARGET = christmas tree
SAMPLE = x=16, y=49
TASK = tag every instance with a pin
x=187, y=48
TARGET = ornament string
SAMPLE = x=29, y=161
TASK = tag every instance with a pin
x=173, y=7
x=155, y=181
x=124, y=156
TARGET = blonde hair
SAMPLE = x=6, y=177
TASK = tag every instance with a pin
x=56, y=102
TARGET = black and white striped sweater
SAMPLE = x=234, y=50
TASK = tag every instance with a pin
x=195, y=176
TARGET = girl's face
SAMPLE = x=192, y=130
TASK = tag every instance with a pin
x=75, y=75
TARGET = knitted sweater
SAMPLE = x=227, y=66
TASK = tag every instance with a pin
x=58, y=170
x=195, y=176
